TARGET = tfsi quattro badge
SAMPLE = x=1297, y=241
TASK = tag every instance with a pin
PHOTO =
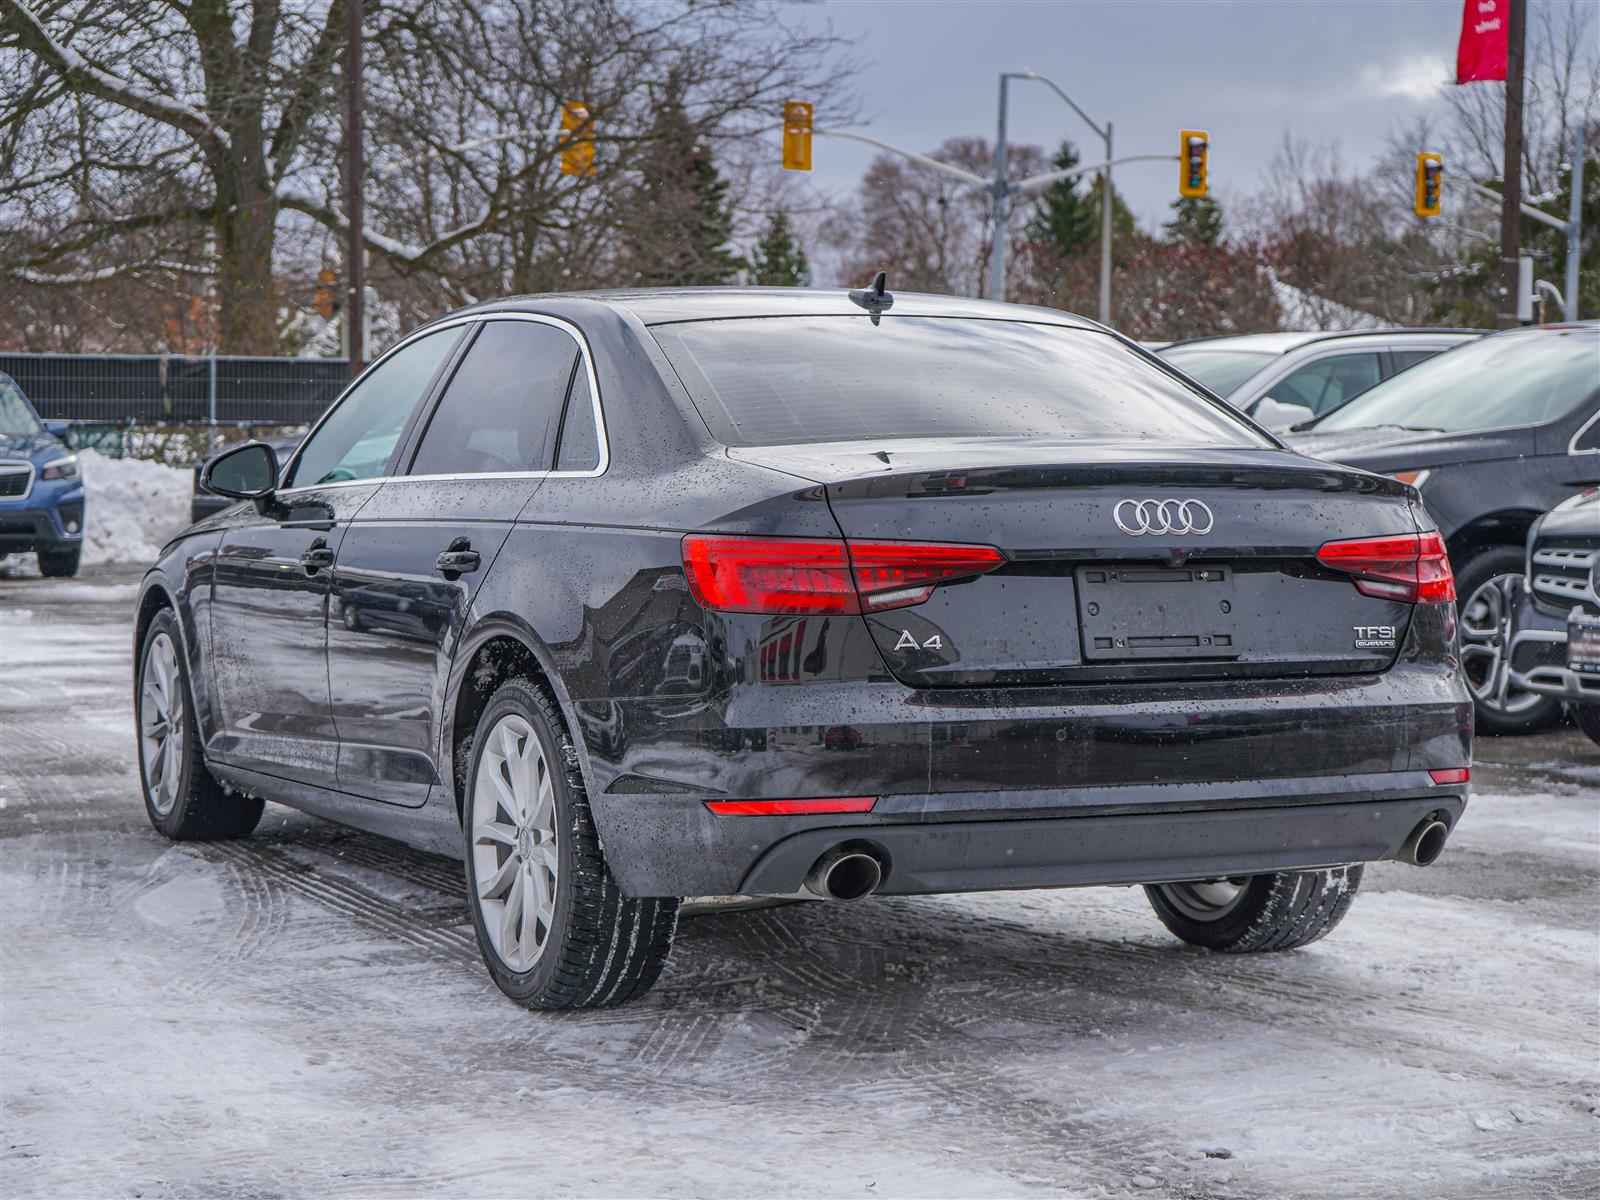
x=1374, y=637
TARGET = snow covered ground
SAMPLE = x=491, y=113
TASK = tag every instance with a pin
x=303, y=1014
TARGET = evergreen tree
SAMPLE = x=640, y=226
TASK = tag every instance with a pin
x=1195, y=219
x=1068, y=215
x=678, y=231
x=778, y=259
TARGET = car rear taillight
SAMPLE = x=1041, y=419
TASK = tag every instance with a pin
x=1408, y=566
x=1451, y=775
x=792, y=575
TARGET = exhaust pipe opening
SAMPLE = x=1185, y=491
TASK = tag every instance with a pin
x=1426, y=843
x=845, y=875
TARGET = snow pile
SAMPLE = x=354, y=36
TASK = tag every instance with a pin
x=132, y=506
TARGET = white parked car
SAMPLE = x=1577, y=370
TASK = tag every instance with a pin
x=1281, y=379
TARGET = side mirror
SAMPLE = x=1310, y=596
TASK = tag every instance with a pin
x=57, y=429
x=247, y=472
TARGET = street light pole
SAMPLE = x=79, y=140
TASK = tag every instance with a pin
x=1001, y=190
x=1105, y=233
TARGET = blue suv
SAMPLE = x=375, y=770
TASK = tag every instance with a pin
x=41, y=486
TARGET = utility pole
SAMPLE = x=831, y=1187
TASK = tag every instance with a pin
x=355, y=258
x=1511, y=195
x=1001, y=191
x=1574, y=224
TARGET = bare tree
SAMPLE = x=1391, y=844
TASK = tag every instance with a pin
x=161, y=119
x=201, y=139
x=929, y=230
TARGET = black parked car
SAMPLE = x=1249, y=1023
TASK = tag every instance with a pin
x=1076, y=621
x=1495, y=433
x=1553, y=613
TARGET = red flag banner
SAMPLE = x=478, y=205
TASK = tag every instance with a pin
x=1481, y=53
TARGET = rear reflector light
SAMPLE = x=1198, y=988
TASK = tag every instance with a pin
x=790, y=575
x=1452, y=775
x=1408, y=566
x=776, y=808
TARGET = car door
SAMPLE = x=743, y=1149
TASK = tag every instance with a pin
x=268, y=613
x=416, y=554
x=1573, y=446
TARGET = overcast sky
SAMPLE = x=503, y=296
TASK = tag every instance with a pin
x=1244, y=72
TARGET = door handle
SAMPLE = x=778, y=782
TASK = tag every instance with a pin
x=461, y=559
x=317, y=558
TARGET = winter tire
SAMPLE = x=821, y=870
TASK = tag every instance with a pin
x=181, y=798
x=1587, y=718
x=1485, y=583
x=61, y=562
x=554, y=929
x=1251, y=913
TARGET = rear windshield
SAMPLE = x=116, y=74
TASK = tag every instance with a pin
x=767, y=381
x=1220, y=370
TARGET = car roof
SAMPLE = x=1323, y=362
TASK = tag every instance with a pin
x=656, y=306
x=1282, y=343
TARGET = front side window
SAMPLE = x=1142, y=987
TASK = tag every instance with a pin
x=786, y=380
x=357, y=439
x=1520, y=379
x=1324, y=385
x=501, y=410
x=15, y=415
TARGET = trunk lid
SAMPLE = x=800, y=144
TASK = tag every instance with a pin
x=1123, y=561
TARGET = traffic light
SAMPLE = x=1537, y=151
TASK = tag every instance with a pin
x=1430, y=176
x=326, y=304
x=796, y=135
x=1193, y=145
x=577, y=147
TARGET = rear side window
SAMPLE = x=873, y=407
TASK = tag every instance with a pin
x=500, y=411
x=580, y=441
x=1409, y=358
x=786, y=380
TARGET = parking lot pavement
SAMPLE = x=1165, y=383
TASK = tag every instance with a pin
x=304, y=1013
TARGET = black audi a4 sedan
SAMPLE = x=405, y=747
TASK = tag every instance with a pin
x=740, y=592
x=1494, y=433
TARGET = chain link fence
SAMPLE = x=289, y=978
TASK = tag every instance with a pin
x=170, y=389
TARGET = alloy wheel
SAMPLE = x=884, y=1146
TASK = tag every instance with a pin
x=1208, y=900
x=161, y=725
x=515, y=853
x=1486, y=646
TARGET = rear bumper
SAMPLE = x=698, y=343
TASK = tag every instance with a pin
x=1031, y=786
x=1124, y=848
x=972, y=841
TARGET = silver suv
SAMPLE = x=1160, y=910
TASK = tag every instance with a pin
x=1281, y=379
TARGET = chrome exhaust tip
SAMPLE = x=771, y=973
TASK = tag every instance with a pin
x=845, y=875
x=1425, y=844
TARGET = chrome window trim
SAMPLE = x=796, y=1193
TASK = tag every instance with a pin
x=1572, y=442
x=33, y=476
x=584, y=351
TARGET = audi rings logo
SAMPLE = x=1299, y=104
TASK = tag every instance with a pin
x=1136, y=517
